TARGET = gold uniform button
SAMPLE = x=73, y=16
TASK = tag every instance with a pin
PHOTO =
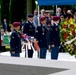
x=36, y=31
x=12, y=37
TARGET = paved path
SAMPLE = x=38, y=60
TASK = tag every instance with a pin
x=27, y=66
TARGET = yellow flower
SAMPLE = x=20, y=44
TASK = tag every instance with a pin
x=65, y=23
x=71, y=21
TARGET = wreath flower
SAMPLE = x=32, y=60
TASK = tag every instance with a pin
x=67, y=33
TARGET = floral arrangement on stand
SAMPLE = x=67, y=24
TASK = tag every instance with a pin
x=67, y=33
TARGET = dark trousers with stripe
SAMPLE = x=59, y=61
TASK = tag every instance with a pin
x=54, y=52
x=15, y=55
x=43, y=53
x=30, y=53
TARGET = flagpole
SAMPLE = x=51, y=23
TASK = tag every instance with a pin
x=56, y=9
x=38, y=16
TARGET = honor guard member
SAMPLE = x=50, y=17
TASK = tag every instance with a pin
x=15, y=42
x=55, y=38
x=40, y=36
x=29, y=30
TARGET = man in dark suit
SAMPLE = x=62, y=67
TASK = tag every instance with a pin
x=29, y=30
x=15, y=42
x=5, y=25
x=55, y=38
x=41, y=37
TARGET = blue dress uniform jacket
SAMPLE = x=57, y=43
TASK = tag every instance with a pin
x=29, y=29
x=15, y=42
x=55, y=40
x=55, y=35
x=41, y=37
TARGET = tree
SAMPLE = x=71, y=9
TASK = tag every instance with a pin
x=17, y=10
x=5, y=9
x=0, y=11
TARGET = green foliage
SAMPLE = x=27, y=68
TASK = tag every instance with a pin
x=4, y=9
x=17, y=10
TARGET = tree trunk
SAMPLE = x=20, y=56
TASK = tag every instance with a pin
x=30, y=6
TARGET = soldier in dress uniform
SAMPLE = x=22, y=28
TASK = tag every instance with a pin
x=55, y=38
x=15, y=42
x=29, y=29
x=41, y=37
